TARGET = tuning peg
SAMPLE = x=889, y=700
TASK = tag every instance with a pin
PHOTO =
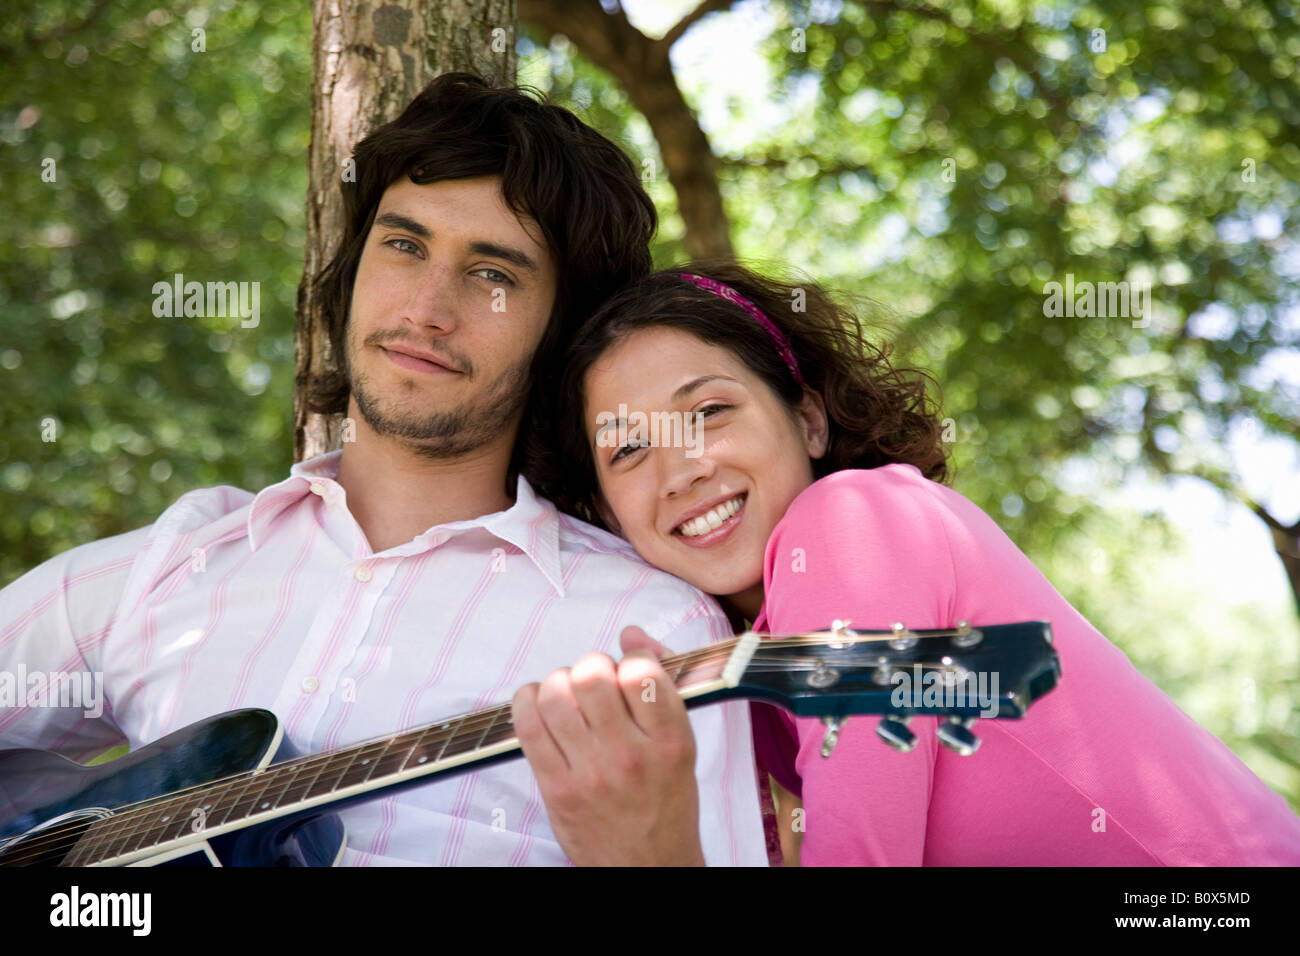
x=893, y=731
x=955, y=734
x=902, y=638
x=833, y=725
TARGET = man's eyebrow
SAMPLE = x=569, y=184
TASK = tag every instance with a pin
x=396, y=220
x=514, y=256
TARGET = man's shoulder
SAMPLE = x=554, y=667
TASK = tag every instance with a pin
x=120, y=552
x=613, y=553
x=202, y=506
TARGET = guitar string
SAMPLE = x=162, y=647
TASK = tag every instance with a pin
x=121, y=816
x=701, y=657
x=714, y=653
x=130, y=818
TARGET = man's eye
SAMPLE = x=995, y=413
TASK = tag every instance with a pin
x=496, y=275
x=394, y=243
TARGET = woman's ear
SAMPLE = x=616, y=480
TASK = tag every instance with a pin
x=813, y=423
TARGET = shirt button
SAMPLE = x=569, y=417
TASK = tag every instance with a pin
x=318, y=488
x=363, y=574
x=309, y=685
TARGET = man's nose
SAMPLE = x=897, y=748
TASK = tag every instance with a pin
x=432, y=302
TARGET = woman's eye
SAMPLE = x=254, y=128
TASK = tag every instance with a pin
x=629, y=448
x=708, y=410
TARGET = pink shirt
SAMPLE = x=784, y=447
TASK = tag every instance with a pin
x=233, y=599
x=1104, y=770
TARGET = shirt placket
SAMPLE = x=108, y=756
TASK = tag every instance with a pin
x=349, y=592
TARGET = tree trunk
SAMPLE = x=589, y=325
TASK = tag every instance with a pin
x=369, y=60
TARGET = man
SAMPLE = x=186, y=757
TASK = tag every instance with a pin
x=414, y=574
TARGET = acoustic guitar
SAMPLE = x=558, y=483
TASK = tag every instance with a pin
x=231, y=790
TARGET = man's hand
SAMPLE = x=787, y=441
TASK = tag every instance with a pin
x=614, y=757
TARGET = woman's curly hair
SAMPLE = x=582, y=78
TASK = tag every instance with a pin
x=878, y=414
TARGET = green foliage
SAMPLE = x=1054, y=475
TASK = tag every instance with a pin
x=165, y=160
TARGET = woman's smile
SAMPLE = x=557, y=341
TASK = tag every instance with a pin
x=713, y=525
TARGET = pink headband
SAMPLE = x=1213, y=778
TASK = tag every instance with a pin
x=725, y=291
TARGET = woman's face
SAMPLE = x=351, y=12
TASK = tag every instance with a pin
x=697, y=495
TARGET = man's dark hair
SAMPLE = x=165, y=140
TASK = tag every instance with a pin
x=582, y=190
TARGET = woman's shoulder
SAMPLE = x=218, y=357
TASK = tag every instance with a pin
x=895, y=503
x=868, y=545
x=854, y=491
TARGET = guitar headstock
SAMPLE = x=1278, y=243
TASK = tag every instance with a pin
x=962, y=674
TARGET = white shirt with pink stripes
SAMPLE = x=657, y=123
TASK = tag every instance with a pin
x=275, y=600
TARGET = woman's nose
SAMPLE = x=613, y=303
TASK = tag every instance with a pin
x=680, y=470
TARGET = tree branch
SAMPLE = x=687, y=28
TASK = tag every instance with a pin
x=642, y=68
x=685, y=23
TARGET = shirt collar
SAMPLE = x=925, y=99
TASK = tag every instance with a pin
x=531, y=524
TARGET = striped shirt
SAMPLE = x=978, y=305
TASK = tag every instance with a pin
x=275, y=600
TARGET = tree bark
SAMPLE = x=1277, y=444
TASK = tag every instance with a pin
x=369, y=60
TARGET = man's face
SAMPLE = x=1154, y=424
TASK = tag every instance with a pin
x=449, y=272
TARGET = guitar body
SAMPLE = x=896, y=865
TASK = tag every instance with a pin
x=39, y=790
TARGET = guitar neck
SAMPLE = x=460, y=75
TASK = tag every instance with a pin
x=359, y=772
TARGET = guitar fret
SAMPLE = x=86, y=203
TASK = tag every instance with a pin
x=143, y=829
x=320, y=784
x=252, y=795
x=87, y=848
x=174, y=821
x=420, y=752
x=497, y=734
x=461, y=742
x=299, y=785
x=112, y=846
x=479, y=745
x=275, y=795
x=443, y=750
x=344, y=774
x=391, y=760
x=229, y=795
x=361, y=767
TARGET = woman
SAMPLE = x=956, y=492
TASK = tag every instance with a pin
x=815, y=494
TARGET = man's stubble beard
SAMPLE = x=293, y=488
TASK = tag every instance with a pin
x=446, y=434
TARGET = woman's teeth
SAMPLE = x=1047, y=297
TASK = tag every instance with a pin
x=710, y=519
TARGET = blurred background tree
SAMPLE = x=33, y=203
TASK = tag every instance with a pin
x=947, y=158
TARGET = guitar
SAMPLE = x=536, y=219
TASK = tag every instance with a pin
x=231, y=790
